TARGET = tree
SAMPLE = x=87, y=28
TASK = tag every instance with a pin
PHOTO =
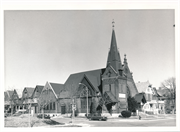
x=93, y=106
x=46, y=98
x=132, y=104
x=170, y=85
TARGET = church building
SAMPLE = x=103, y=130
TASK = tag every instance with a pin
x=109, y=86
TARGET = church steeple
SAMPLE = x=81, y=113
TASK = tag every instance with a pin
x=114, y=57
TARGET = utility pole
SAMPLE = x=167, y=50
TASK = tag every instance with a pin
x=29, y=114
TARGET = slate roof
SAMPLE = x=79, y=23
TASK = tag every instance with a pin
x=6, y=97
x=57, y=87
x=30, y=91
x=142, y=86
x=140, y=98
x=64, y=94
x=8, y=94
x=93, y=80
x=132, y=88
x=39, y=88
x=164, y=92
x=93, y=76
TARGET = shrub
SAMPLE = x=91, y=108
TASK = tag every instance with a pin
x=134, y=110
x=132, y=104
x=126, y=113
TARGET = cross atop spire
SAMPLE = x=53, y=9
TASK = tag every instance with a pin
x=125, y=60
x=113, y=23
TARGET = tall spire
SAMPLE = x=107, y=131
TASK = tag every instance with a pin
x=114, y=56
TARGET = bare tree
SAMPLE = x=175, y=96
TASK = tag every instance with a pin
x=170, y=84
x=45, y=99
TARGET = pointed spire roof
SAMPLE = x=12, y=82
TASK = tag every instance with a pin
x=114, y=56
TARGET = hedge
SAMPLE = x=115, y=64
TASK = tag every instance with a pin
x=126, y=113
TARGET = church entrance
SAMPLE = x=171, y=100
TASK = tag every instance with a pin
x=110, y=100
x=63, y=109
x=84, y=104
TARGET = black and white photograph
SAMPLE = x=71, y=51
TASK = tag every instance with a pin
x=90, y=68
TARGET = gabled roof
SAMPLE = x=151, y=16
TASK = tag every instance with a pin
x=15, y=94
x=164, y=92
x=142, y=86
x=140, y=98
x=30, y=91
x=132, y=88
x=64, y=94
x=6, y=97
x=93, y=76
x=57, y=87
x=93, y=81
x=8, y=94
x=39, y=88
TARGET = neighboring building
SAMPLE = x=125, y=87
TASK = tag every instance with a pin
x=7, y=100
x=12, y=101
x=27, y=97
x=157, y=100
x=144, y=87
x=35, y=98
x=49, y=97
x=167, y=97
x=140, y=99
x=151, y=98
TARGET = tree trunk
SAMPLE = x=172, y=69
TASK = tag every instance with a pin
x=42, y=113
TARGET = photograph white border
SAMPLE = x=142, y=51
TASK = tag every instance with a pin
x=108, y=5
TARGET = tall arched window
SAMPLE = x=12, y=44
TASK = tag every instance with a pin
x=128, y=92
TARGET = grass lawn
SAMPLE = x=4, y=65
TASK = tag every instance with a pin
x=23, y=121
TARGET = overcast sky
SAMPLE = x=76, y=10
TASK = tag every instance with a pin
x=45, y=46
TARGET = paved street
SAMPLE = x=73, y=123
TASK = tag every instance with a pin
x=155, y=122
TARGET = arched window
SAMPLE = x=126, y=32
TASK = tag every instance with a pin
x=128, y=92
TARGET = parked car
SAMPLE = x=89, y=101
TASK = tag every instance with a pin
x=45, y=116
x=96, y=117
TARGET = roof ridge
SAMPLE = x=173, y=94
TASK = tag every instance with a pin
x=56, y=83
x=30, y=87
x=86, y=71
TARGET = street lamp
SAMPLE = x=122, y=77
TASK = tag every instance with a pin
x=86, y=95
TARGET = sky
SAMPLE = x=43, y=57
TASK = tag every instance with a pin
x=49, y=45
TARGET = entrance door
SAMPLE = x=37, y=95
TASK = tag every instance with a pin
x=63, y=109
x=84, y=105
